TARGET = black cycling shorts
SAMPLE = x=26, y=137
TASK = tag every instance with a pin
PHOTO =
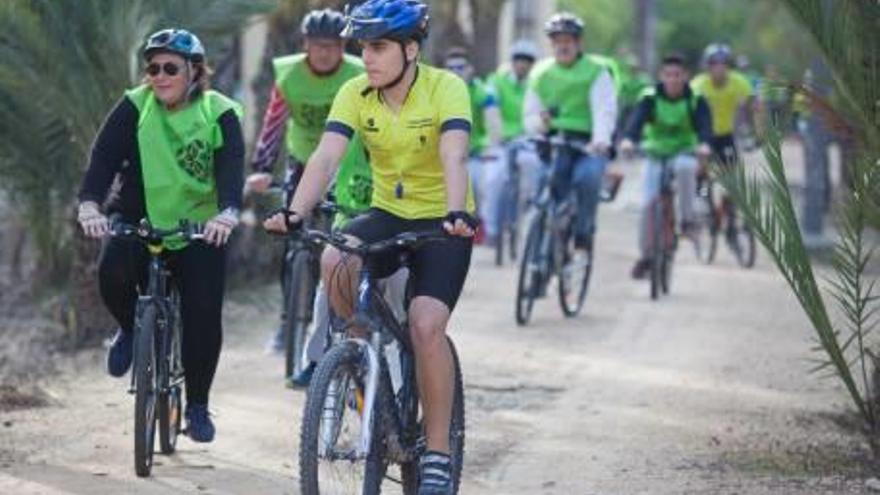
x=724, y=149
x=438, y=269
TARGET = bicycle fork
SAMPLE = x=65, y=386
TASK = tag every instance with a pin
x=368, y=351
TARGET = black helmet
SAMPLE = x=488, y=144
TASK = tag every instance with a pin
x=324, y=23
x=564, y=23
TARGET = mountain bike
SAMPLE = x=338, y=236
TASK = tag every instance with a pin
x=663, y=237
x=362, y=411
x=549, y=244
x=718, y=212
x=158, y=374
x=510, y=205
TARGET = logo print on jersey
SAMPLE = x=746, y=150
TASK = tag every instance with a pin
x=195, y=159
x=314, y=116
x=371, y=125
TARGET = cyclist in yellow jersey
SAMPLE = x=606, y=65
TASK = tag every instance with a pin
x=415, y=121
x=726, y=91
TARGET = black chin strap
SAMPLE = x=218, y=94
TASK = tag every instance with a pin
x=406, y=64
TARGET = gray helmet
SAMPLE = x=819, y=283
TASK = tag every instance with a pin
x=564, y=23
x=177, y=41
x=718, y=52
x=325, y=23
x=524, y=49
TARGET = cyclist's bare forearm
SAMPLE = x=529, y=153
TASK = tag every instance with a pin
x=453, y=153
x=319, y=172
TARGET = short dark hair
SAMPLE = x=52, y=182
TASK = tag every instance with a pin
x=676, y=59
x=457, y=52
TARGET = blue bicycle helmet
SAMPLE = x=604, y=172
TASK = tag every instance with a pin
x=398, y=20
x=177, y=41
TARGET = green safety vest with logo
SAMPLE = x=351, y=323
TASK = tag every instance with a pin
x=566, y=90
x=309, y=98
x=671, y=126
x=511, y=94
x=481, y=97
x=177, y=157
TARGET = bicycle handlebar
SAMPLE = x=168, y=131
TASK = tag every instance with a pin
x=146, y=233
x=406, y=240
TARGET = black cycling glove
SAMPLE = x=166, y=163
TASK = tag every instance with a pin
x=466, y=217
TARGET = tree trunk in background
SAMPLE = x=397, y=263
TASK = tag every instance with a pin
x=445, y=31
x=646, y=33
x=485, y=46
x=816, y=163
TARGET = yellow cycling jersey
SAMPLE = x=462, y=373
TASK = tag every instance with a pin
x=404, y=147
x=724, y=101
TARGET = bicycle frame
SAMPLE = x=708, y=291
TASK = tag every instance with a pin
x=157, y=293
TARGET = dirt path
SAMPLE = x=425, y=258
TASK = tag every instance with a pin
x=704, y=392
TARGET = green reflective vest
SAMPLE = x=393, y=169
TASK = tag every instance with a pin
x=566, y=91
x=177, y=156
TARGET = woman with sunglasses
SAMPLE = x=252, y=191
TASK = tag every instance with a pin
x=175, y=150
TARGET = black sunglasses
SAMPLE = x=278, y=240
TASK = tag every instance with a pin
x=171, y=69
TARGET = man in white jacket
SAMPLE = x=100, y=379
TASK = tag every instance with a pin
x=573, y=95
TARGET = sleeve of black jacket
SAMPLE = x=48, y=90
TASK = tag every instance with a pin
x=113, y=146
x=703, y=118
x=638, y=119
x=229, y=162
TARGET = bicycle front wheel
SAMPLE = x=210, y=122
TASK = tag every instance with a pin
x=331, y=430
x=170, y=404
x=145, y=390
x=300, y=297
x=529, y=272
x=574, y=281
x=708, y=225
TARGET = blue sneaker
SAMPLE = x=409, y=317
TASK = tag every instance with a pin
x=120, y=353
x=303, y=378
x=435, y=474
x=199, y=426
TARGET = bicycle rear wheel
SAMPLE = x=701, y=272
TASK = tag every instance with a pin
x=746, y=253
x=529, y=272
x=409, y=472
x=331, y=430
x=574, y=281
x=300, y=298
x=145, y=390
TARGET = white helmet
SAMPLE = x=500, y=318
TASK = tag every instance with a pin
x=524, y=49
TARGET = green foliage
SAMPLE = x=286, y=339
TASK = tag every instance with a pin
x=608, y=23
x=765, y=201
x=760, y=29
x=845, y=34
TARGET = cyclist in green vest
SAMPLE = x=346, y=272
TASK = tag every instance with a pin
x=672, y=123
x=177, y=151
x=574, y=95
x=485, y=151
x=509, y=84
x=305, y=85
